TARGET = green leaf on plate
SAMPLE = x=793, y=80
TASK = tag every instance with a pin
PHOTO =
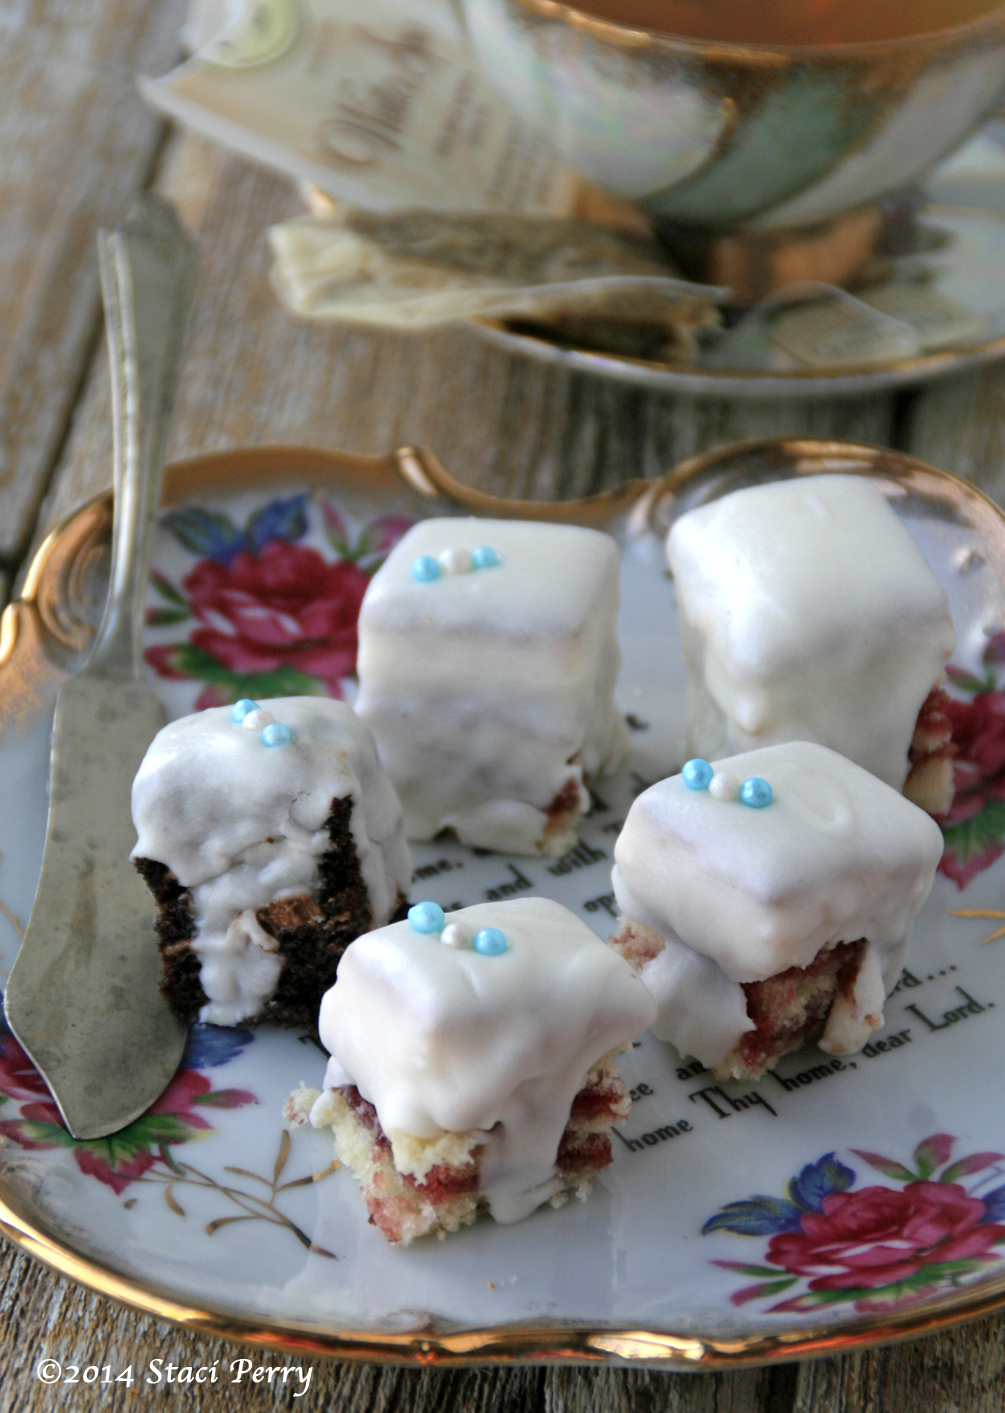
x=975, y=1163
x=190, y=661
x=744, y=1270
x=164, y=617
x=163, y=586
x=977, y=834
x=889, y=1167
x=762, y=1291
x=932, y=1152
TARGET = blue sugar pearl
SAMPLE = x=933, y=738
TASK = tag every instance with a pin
x=276, y=734
x=756, y=793
x=696, y=774
x=490, y=942
x=425, y=569
x=242, y=708
x=484, y=557
x=426, y=917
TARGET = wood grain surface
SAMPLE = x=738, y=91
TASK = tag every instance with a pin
x=75, y=143
x=960, y=424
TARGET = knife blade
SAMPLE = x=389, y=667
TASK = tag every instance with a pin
x=83, y=997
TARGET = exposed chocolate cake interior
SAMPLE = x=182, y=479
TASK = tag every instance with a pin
x=311, y=932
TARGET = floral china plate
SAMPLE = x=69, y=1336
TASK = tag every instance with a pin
x=845, y=1201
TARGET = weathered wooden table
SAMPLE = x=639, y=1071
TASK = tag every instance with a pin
x=75, y=144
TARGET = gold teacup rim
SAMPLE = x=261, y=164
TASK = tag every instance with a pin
x=769, y=55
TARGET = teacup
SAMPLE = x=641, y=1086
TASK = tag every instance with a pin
x=720, y=135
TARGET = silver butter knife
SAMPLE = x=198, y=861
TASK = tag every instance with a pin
x=83, y=996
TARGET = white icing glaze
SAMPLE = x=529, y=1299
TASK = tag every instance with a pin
x=853, y=1019
x=836, y=857
x=699, y=1009
x=490, y=691
x=446, y=1040
x=239, y=971
x=240, y=825
x=808, y=613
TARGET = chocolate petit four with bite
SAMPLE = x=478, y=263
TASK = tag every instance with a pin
x=270, y=837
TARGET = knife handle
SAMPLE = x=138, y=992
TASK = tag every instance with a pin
x=148, y=268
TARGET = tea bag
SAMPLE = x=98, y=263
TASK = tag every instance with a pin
x=417, y=269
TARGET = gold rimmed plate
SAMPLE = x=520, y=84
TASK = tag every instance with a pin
x=738, y=1224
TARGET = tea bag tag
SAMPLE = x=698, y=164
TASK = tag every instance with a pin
x=937, y=319
x=842, y=332
x=816, y=325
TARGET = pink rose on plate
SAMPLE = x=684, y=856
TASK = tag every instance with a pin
x=979, y=734
x=878, y=1236
x=877, y=1248
x=19, y=1079
x=286, y=606
x=272, y=617
x=975, y=825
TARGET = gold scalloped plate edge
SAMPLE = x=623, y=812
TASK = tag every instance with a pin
x=814, y=455
x=522, y=1343
x=518, y=1344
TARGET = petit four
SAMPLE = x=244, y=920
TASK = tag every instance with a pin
x=767, y=900
x=487, y=664
x=809, y=613
x=472, y=1062
x=270, y=837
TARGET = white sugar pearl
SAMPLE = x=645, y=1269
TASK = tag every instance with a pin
x=456, y=560
x=258, y=719
x=455, y=934
x=724, y=786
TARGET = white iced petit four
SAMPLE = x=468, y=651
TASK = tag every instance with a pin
x=812, y=872
x=808, y=613
x=464, y=1042
x=487, y=665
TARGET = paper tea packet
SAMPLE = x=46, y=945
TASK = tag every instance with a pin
x=380, y=104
